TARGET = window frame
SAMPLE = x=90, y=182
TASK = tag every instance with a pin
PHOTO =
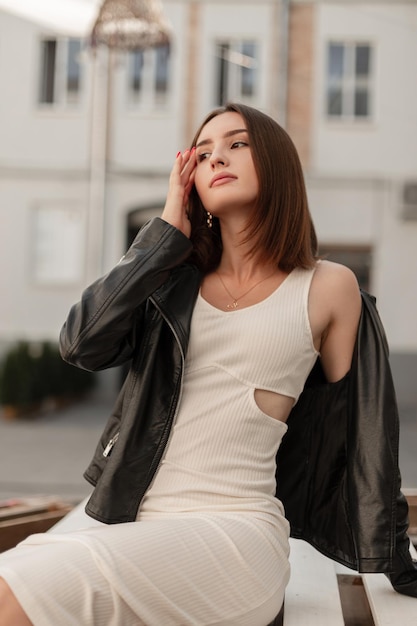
x=61, y=97
x=350, y=82
x=232, y=72
x=149, y=97
x=57, y=244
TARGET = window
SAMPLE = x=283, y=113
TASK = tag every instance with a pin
x=60, y=71
x=57, y=245
x=148, y=77
x=237, y=71
x=349, y=74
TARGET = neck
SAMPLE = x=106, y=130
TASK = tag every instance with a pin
x=236, y=261
x=243, y=269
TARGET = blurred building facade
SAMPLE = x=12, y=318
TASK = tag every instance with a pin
x=87, y=142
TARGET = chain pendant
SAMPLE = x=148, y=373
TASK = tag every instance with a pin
x=234, y=305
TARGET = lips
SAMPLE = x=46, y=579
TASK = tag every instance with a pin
x=221, y=179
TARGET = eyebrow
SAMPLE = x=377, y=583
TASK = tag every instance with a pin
x=229, y=133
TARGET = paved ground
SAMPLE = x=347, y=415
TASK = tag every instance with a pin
x=47, y=455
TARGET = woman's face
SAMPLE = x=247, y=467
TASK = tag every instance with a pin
x=225, y=177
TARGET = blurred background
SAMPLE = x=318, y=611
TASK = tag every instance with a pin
x=90, y=124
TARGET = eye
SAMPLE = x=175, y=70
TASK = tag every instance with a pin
x=202, y=156
x=239, y=144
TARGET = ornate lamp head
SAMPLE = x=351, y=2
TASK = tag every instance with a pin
x=130, y=25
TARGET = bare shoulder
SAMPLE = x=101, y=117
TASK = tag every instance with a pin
x=335, y=282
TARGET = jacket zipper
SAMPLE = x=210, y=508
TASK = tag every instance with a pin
x=177, y=403
x=107, y=450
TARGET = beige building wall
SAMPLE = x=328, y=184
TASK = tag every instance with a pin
x=301, y=66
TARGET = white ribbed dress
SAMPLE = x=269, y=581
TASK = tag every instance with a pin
x=210, y=546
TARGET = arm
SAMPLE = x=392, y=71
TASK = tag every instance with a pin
x=101, y=328
x=335, y=308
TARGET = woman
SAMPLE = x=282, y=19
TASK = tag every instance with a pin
x=222, y=308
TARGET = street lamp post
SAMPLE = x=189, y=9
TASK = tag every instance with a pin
x=120, y=25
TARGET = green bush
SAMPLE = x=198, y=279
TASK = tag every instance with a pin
x=31, y=373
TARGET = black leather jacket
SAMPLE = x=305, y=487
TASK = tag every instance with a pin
x=337, y=465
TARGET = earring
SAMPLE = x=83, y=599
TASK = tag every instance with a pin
x=209, y=219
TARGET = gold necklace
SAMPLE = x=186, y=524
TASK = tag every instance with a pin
x=234, y=304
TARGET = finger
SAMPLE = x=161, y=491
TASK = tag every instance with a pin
x=187, y=179
x=189, y=163
x=188, y=154
x=187, y=158
x=177, y=166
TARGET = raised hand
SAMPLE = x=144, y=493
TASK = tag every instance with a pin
x=181, y=181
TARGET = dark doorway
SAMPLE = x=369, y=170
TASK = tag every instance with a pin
x=137, y=218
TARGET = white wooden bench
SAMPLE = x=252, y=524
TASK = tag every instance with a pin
x=323, y=593
x=320, y=592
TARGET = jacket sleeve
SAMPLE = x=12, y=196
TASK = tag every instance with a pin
x=373, y=475
x=101, y=328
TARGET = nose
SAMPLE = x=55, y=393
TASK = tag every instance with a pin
x=217, y=157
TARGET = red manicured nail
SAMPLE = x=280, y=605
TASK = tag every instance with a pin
x=178, y=154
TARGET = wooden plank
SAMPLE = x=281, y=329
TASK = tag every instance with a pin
x=12, y=531
x=388, y=607
x=355, y=605
x=20, y=510
x=312, y=596
x=18, y=507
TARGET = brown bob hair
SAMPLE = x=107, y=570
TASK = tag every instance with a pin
x=281, y=227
